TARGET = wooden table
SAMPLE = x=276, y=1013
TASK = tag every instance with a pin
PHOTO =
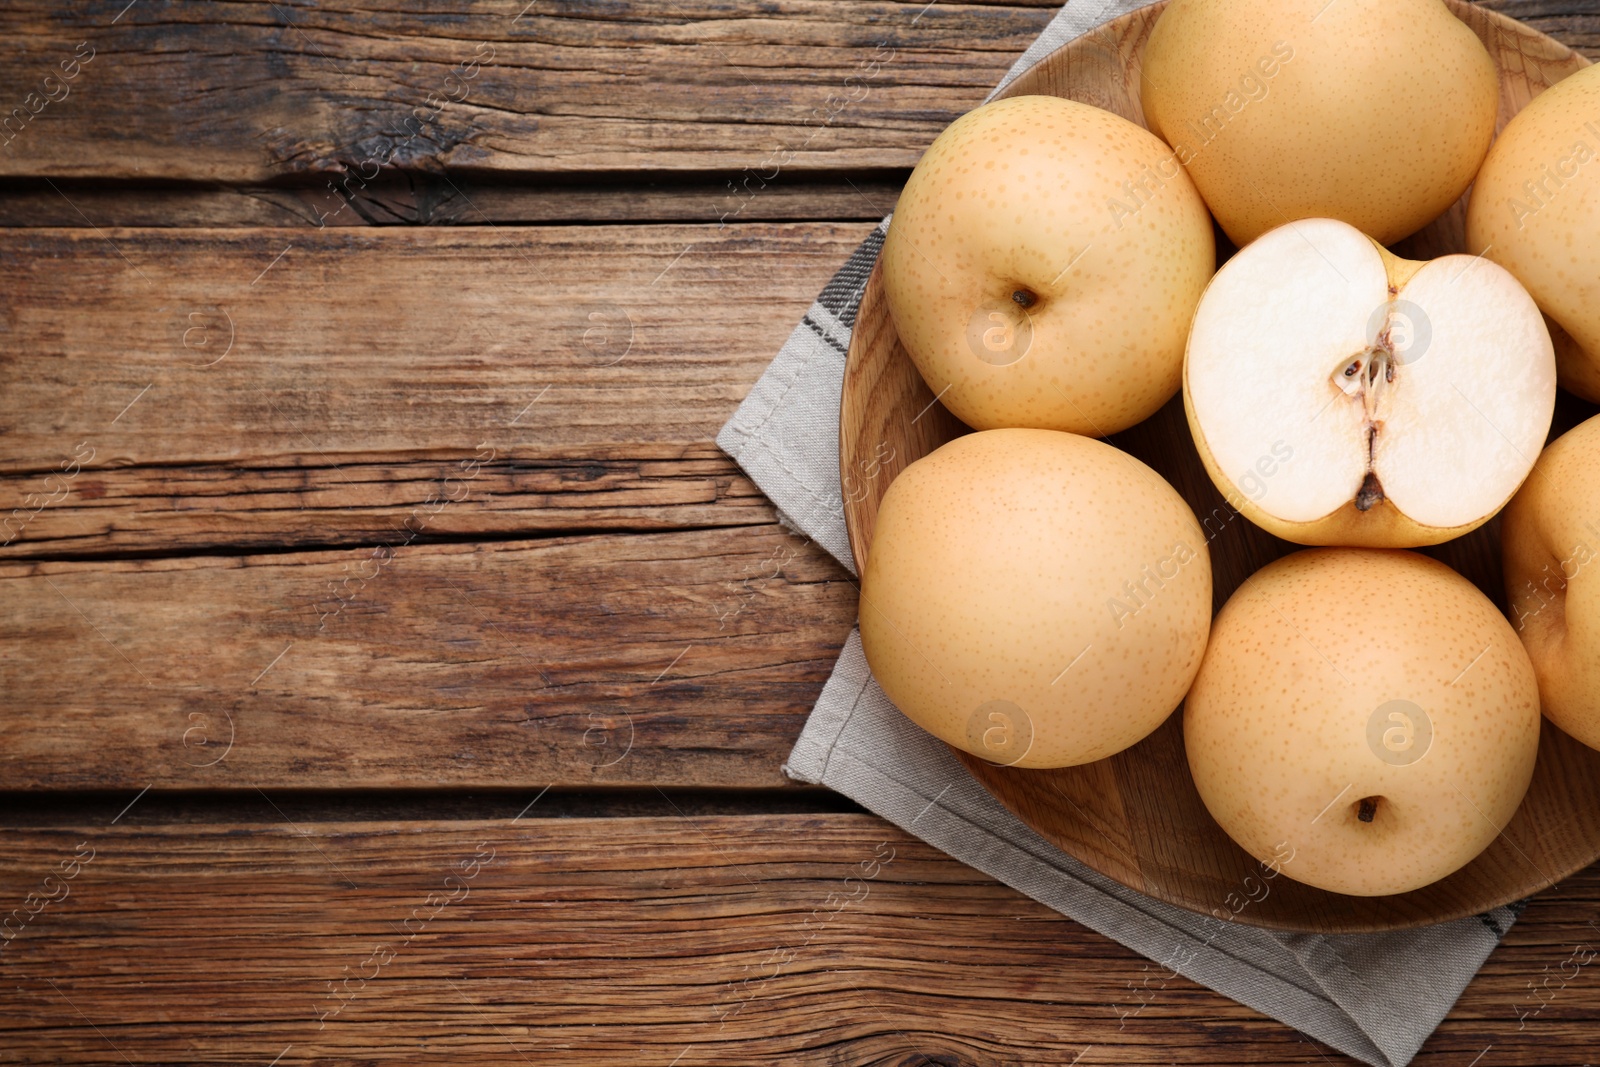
x=392, y=667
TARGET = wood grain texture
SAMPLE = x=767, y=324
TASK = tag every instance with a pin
x=422, y=198
x=1136, y=816
x=589, y=368
x=253, y=91
x=828, y=939
x=249, y=92
x=687, y=658
x=158, y=510
x=888, y=419
x=1575, y=23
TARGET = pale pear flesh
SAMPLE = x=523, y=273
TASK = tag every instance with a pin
x=1339, y=395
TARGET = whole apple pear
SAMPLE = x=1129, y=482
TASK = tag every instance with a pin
x=1535, y=210
x=1373, y=112
x=1367, y=712
x=1042, y=266
x=1037, y=598
x=1550, y=538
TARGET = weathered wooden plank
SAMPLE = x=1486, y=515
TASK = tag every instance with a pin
x=247, y=92
x=718, y=940
x=380, y=343
x=177, y=389
x=173, y=510
x=421, y=198
x=236, y=807
x=687, y=658
x=1575, y=23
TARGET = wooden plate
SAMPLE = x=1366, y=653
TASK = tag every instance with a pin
x=1136, y=817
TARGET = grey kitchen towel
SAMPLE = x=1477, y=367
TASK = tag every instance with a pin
x=1376, y=997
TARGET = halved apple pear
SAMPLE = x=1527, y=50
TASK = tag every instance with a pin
x=1339, y=395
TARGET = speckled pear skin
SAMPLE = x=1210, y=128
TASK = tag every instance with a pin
x=1374, y=112
x=1043, y=573
x=1289, y=725
x=1093, y=220
x=1551, y=543
x=1535, y=209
